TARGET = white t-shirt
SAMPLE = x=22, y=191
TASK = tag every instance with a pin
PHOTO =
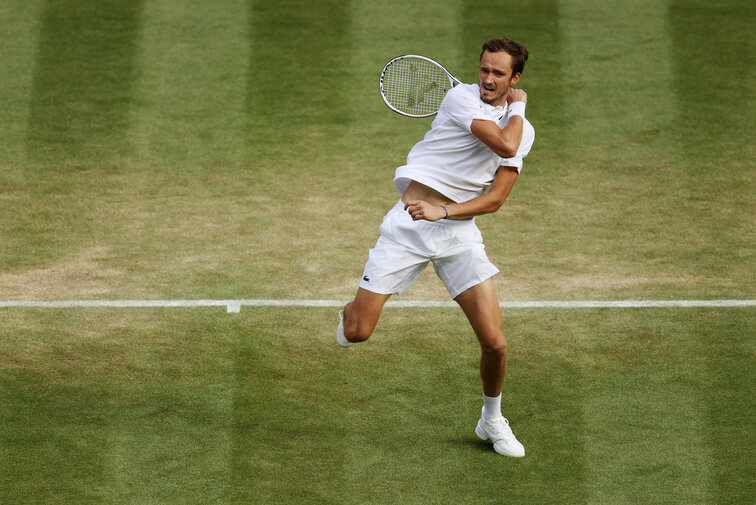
x=453, y=161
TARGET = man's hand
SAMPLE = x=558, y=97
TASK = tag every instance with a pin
x=516, y=95
x=418, y=209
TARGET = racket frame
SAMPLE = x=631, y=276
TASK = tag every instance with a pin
x=454, y=82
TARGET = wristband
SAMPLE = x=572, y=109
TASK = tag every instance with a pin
x=445, y=210
x=517, y=109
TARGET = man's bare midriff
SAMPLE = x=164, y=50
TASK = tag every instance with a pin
x=417, y=191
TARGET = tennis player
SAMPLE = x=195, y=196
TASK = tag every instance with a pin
x=464, y=167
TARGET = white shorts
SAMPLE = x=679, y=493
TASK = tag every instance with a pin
x=405, y=247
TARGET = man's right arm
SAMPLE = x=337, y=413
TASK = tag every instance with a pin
x=503, y=141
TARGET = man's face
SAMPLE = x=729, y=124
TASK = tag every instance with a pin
x=495, y=77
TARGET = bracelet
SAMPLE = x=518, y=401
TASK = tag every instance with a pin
x=445, y=210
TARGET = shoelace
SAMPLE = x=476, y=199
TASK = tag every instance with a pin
x=500, y=427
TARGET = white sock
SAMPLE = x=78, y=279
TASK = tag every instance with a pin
x=491, y=407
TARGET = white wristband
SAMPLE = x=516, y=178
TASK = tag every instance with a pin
x=517, y=109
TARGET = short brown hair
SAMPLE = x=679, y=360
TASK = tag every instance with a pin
x=517, y=51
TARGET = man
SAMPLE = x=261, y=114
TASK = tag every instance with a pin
x=464, y=167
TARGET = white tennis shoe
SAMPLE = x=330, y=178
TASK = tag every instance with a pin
x=340, y=338
x=497, y=430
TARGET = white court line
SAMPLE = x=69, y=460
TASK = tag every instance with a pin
x=233, y=306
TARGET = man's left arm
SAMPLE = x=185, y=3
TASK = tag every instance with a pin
x=485, y=204
x=502, y=185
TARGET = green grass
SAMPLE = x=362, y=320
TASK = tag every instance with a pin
x=239, y=149
x=196, y=406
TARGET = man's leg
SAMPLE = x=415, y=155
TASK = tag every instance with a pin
x=481, y=307
x=361, y=315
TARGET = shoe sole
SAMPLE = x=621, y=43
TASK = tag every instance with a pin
x=340, y=333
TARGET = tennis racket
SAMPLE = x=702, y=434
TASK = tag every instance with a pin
x=414, y=86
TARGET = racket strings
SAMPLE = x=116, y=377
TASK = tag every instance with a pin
x=415, y=86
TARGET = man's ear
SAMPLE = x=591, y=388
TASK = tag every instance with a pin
x=515, y=79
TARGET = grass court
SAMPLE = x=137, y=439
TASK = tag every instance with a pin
x=175, y=149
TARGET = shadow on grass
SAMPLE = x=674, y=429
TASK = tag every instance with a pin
x=471, y=443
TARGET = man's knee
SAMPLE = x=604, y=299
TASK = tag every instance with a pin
x=354, y=331
x=494, y=345
x=361, y=315
x=357, y=328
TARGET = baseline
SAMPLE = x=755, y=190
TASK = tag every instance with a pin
x=234, y=306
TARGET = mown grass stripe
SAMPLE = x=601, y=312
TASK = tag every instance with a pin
x=83, y=80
